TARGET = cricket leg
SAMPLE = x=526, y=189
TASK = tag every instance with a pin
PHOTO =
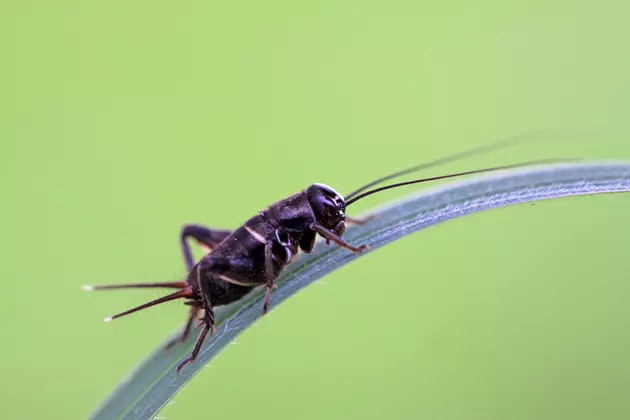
x=268, y=275
x=206, y=237
x=208, y=320
x=338, y=230
x=307, y=242
x=195, y=308
x=196, y=349
x=341, y=226
x=332, y=236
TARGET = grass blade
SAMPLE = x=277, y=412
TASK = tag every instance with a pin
x=155, y=381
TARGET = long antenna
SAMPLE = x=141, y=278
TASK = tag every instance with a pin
x=455, y=175
x=497, y=145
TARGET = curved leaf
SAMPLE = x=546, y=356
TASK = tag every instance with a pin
x=155, y=381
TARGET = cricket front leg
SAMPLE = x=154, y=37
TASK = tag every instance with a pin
x=332, y=236
x=338, y=230
x=206, y=237
x=341, y=226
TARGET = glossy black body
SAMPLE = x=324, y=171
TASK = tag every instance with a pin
x=273, y=237
x=256, y=253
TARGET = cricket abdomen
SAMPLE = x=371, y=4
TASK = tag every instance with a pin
x=224, y=293
x=245, y=251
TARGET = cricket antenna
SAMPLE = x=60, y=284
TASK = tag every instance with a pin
x=455, y=175
x=497, y=145
x=184, y=293
x=168, y=284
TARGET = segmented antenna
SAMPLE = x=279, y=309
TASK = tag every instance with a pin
x=455, y=175
x=497, y=145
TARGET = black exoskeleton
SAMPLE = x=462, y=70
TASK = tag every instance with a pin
x=256, y=253
x=252, y=255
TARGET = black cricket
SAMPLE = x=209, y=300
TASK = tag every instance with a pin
x=256, y=253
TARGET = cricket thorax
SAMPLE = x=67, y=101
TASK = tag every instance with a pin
x=293, y=214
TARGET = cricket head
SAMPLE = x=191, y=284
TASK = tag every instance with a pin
x=329, y=207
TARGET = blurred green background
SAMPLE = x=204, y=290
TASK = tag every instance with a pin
x=121, y=121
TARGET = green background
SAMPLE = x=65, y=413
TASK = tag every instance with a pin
x=121, y=121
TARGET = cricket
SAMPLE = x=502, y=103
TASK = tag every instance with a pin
x=257, y=252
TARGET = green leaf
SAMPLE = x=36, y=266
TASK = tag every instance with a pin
x=155, y=381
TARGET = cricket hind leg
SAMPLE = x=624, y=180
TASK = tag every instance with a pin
x=213, y=267
x=208, y=320
x=206, y=237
